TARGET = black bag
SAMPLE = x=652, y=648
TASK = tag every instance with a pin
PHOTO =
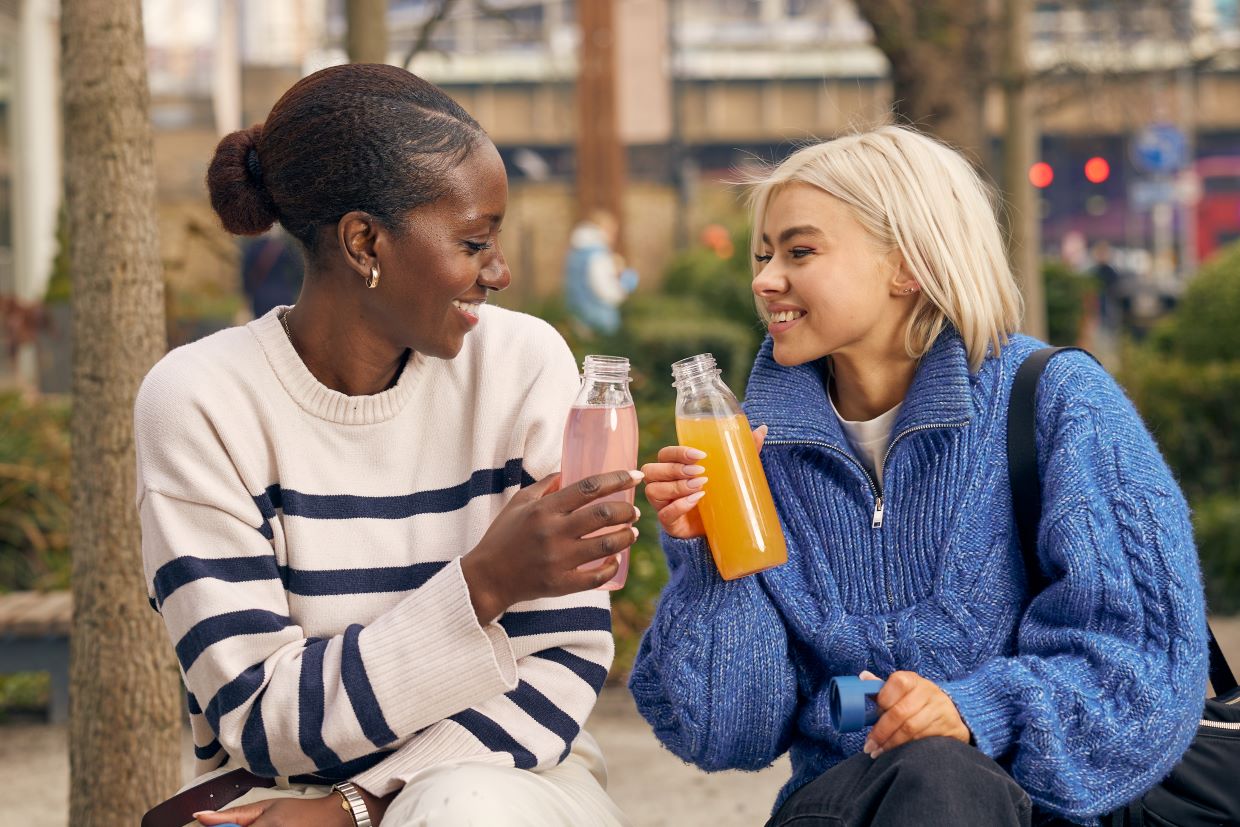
x=1204, y=788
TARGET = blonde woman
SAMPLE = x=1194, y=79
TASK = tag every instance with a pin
x=883, y=388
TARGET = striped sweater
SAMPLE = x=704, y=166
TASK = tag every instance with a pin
x=303, y=548
x=1088, y=692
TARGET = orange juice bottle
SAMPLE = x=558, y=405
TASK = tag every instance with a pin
x=739, y=515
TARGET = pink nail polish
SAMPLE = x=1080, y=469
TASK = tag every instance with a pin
x=694, y=453
x=697, y=482
x=693, y=498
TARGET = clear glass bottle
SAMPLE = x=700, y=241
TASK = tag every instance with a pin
x=601, y=434
x=738, y=511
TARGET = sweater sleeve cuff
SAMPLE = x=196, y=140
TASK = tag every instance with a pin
x=436, y=659
x=691, y=559
x=985, y=710
x=441, y=744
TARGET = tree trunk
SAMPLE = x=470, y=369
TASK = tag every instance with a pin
x=1020, y=149
x=124, y=722
x=600, y=154
x=939, y=54
x=367, y=38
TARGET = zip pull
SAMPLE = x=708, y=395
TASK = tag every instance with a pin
x=878, y=513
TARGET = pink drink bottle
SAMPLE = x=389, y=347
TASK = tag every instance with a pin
x=601, y=435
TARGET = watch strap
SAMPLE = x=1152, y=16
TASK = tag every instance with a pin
x=354, y=803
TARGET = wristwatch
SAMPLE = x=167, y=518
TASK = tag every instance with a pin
x=353, y=803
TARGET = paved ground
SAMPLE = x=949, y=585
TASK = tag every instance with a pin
x=651, y=784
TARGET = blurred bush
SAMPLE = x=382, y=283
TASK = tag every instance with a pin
x=34, y=519
x=1068, y=292
x=34, y=493
x=1185, y=380
x=704, y=305
x=1203, y=326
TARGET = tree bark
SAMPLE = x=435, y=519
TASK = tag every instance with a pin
x=940, y=55
x=367, y=38
x=124, y=722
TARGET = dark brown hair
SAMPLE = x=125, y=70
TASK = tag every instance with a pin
x=364, y=137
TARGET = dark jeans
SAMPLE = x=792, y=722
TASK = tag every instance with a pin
x=932, y=782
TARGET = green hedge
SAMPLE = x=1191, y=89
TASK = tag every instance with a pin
x=34, y=493
x=1186, y=382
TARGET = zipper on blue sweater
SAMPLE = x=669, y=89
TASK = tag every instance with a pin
x=876, y=521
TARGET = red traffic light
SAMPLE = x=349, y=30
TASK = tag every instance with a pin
x=1097, y=170
x=1041, y=174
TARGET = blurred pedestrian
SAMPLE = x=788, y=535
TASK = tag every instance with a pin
x=351, y=521
x=271, y=271
x=1110, y=288
x=596, y=280
x=882, y=391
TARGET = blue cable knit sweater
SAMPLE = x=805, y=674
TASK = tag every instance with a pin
x=1089, y=696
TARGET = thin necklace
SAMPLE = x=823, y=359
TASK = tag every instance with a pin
x=284, y=323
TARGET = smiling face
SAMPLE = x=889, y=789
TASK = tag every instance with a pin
x=825, y=284
x=435, y=274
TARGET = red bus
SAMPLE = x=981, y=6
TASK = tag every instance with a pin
x=1218, y=210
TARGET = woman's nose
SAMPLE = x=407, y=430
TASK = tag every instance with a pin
x=769, y=281
x=496, y=275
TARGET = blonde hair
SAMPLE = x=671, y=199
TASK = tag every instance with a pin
x=915, y=194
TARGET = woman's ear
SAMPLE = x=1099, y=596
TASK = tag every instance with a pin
x=357, y=233
x=903, y=282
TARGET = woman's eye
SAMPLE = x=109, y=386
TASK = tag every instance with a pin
x=801, y=252
x=477, y=246
x=762, y=259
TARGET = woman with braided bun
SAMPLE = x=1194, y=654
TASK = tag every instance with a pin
x=352, y=524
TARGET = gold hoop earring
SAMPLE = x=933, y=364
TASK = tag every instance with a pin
x=372, y=281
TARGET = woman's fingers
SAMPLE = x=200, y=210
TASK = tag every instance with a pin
x=244, y=815
x=680, y=454
x=662, y=493
x=593, y=488
x=601, y=514
x=759, y=436
x=676, y=509
x=920, y=724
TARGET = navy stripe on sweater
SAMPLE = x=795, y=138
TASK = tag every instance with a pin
x=254, y=743
x=182, y=570
x=549, y=621
x=351, y=506
x=539, y=707
x=310, y=702
x=361, y=695
x=214, y=629
x=494, y=737
x=317, y=583
x=348, y=506
x=209, y=751
x=234, y=693
x=343, y=772
x=587, y=670
x=308, y=582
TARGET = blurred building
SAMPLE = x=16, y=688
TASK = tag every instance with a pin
x=703, y=86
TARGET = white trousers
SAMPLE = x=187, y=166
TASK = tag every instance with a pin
x=572, y=794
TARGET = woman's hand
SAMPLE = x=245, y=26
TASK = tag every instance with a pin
x=296, y=812
x=912, y=707
x=283, y=812
x=674, y=485
x=537, y=544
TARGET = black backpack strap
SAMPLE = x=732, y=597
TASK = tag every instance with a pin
x=1026, y=489
x=1022, y=451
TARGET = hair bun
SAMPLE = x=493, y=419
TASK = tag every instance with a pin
x=235, y=182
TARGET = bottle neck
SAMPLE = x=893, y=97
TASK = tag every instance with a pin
x=695, y=371
x=605, y=369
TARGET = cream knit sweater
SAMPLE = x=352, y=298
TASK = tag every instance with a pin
x=303, y=548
